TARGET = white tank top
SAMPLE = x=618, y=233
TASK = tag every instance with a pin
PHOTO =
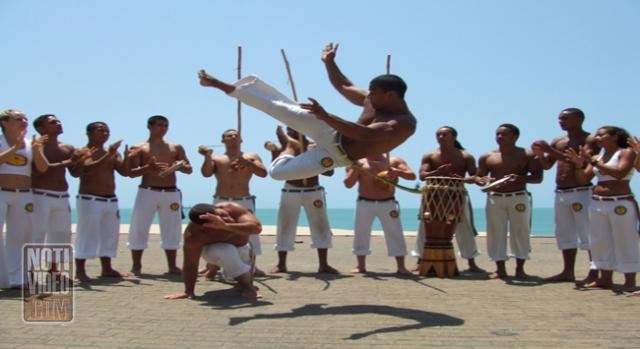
x=613, y=162
x=20, y=163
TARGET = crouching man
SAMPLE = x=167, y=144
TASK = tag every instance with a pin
x=220, y=234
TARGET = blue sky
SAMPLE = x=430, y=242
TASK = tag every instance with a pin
x=469, y=64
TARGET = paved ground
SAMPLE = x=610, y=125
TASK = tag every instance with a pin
x=305, y=310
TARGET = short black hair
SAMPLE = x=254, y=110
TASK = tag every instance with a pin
x=620, y=132
x=92, y=126
x=227, y=131
x=389, y=82
x=152, y=120
x=196, y=211
x=574, y=111
x=513, y=128
x=40, y=120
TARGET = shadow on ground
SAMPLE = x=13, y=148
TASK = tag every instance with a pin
x=421, y=318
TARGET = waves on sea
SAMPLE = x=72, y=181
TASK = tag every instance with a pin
x=342, y=218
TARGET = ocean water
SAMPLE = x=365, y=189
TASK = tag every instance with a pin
x=342, y=218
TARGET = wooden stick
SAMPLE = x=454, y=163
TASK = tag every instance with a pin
x=239, y=104
x=388, y=64
x=295, y=98
x=388, y=72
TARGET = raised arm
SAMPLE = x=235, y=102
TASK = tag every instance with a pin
x=352, y=175
x=208, y=167
x=545, y=153
x=339, y=81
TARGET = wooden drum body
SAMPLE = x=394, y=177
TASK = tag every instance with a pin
x=443, y=200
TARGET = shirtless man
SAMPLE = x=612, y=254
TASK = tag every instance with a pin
x=376, y=199
x=306, y=193
x=156, y=161
x=220, y=234
x=385, y=123
x=51, y=209
x=509, y=204
x=17, y=155
x=98, y=227
x=233, y=171
x=452, y=160
x=572, y=198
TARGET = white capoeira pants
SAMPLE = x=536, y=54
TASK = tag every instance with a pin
x=234, y=261
x=313, y=201
x=168, y=204
x=15, y=210
x=248, y=202
x=388, y=212
x=51, y=217
x=614, y=235
x=98, y=227
x=465, y=234
x=326, y=156
x=508, y=213
x=572, y=218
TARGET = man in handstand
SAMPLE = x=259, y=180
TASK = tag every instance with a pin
x=385, y=123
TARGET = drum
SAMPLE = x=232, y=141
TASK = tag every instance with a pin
x=442, y=205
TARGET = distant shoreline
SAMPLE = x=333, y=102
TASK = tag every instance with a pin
x=270, y=230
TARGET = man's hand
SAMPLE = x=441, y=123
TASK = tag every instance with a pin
x=213, y=221
x=37, y=143
x=113, y=148
x=179, y=295
x=540, y=147
x=315, y=108
x=132, y=151
x=329, y=52
x=205, y=151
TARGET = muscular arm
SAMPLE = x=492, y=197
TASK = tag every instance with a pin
x=339, y=81
x=351, y=177
x=402, y=169
x=191, y=251
x=257, y=166
x=182, y=156
x=626, y=164
x=208, y=166
x=546, y=154
x=534, y=169
x=373, y=132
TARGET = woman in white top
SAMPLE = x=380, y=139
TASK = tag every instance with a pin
x=613, y=213
x=17, y=154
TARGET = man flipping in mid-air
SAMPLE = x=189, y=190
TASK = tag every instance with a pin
x=385, y=123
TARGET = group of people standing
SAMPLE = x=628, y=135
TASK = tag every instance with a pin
x=34, y=199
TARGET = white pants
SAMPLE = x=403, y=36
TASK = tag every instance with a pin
x=51, y=217
x=98, y=227
x=326, y=156
x=234, y=261
x=248, y=202
x=465, y=235
x=614, y=236
x=508, y=213
x=572, y=218
x=169, y=207
x=15, y=209
x=388, y=212
x=314, y=204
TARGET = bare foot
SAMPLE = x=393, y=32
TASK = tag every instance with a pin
x=562, y=277
x=416, y=268
x=403, y=271
x=476, y=269
x=628, y=288
x=175, y=270
x=112, y=273
x=250, y=292
x=259, y=272
x=586, y=281
x=358, y=270
x=636, y=293
x=599, y=284
x=279, y=269
x=211, y=275
x=203, y=270
x=497, y=275
x=83, y=277
x=136, y=271
x=521, y=275
x=327, y=269
x=179, y=295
